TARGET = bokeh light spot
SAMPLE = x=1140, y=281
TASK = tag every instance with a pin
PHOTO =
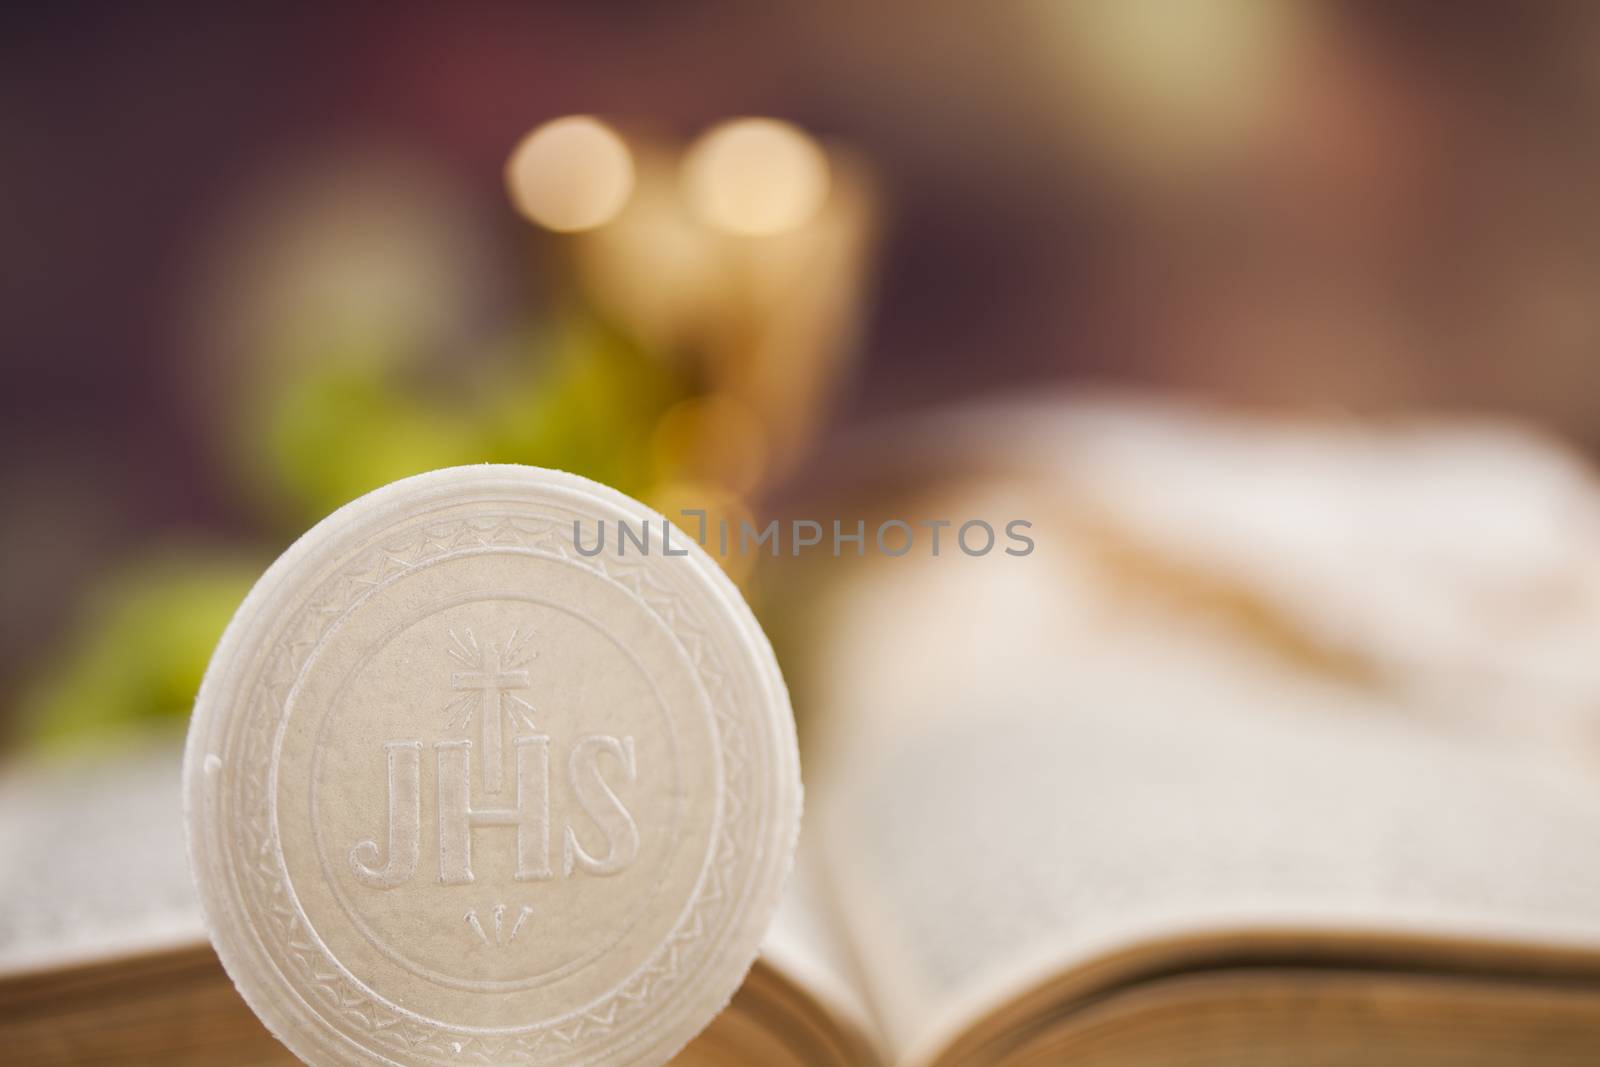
x=570, y=174
x=755, y=177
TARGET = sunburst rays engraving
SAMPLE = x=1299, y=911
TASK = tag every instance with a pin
x=488, y=682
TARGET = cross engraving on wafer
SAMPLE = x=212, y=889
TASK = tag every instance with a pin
x=495, y=678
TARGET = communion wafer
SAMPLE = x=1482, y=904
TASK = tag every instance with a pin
x=492, y=766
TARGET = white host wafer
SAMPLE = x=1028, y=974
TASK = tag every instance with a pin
x=462, y=788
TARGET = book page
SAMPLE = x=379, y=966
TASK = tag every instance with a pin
x=94, y=858
x=1018, y=767
x=806, y=946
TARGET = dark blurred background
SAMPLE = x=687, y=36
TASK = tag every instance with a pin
x=262, y=259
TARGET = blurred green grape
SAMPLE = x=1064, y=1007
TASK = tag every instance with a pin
x=337, y=430
x=574, y=396
x=142, y=644
x=586, y=401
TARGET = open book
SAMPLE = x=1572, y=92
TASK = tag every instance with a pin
x=1284, y=743
x=1283, y=746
